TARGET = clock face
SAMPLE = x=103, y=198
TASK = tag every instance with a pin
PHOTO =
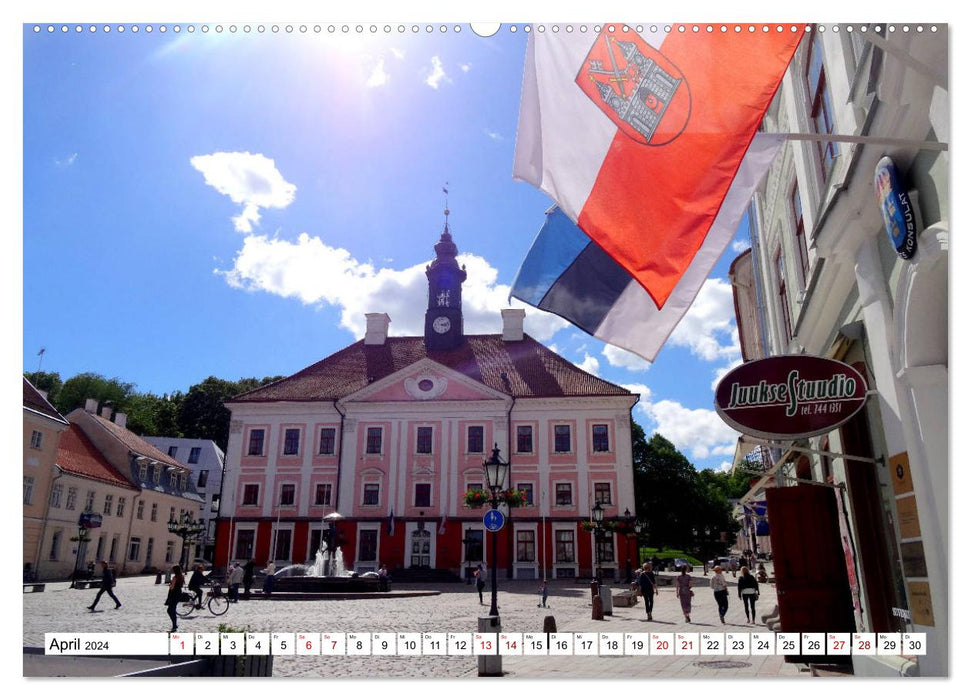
x=441, y=324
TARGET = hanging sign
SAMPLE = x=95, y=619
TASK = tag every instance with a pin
x=898, y=212
x=789, y=396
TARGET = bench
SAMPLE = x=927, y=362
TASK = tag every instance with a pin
x=87, y=583
x=625, y=599
x=34, y=587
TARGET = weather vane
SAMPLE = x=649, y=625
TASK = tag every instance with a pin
x=445, y=190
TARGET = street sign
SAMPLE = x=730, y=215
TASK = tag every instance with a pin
x=493, y=520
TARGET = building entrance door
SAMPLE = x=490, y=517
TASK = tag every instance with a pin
x=421, y=548
x=810, y=566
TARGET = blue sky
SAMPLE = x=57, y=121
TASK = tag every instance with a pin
x=232, y=204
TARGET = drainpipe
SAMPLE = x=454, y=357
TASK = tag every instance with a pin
x=340, y=458
x=511, y=545
x=43, y=530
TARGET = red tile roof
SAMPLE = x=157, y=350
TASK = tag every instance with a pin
x=36, y=402
x=136, y=444
x=77, y=455
x=521, y=369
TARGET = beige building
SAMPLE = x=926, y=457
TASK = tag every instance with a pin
x=43, y=426
x=161, y=491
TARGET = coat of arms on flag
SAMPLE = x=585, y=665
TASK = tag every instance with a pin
x=635, y=85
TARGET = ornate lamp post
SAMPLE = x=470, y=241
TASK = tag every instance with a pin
x=188, y=529
x=495, y=476
x=598, y=518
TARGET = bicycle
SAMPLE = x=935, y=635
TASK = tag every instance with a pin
x=214, y=599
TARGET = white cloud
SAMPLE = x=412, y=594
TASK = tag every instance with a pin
x=464, y=67
x=708, y=328
x=722, y=371
x=437, y=75
x=740, y=246
x=250, y=179
x=313, y=272
x=378, y=76
x=618, y=357
x=66, y=162
x=698, y=432
x=589, y=364
x=494, y=135
x=641, y=390
x=398, y=53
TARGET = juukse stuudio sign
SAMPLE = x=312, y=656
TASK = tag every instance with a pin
x=790, y=396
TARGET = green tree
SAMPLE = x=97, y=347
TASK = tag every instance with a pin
x=149, y=414
x=90, y=385
x=665, y=490
x=202, y=413
x=46, y=381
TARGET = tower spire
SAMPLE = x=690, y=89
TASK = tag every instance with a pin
x=447, y=212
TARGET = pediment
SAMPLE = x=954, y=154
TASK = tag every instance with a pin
x=426, y=380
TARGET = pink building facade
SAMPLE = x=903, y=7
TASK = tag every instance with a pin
x=384, y=437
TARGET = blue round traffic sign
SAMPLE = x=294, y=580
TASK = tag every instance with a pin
x=493, y=520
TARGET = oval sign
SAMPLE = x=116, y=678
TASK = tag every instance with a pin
x=790, y=396
x=898, y=212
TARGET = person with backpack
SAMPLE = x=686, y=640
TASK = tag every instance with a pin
x=107, y=583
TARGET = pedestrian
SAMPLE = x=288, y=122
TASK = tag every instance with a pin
x=174, y=595
x=748, y=591
x=762, y=575
x=196, y=581
x=543, y=591
x=248, y=569
x=234, y=580
x=734, y=561
x=383, y=578
x=683, y=588
x=479, y=575
x=107, y=583
x=720, y=588
x=648, y=585
x=270, y=579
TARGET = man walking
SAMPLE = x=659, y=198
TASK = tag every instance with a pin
x=648, y=585
x=107, y=583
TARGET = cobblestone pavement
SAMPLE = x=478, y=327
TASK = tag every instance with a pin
x=456, y=609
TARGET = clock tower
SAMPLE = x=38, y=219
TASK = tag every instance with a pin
x=443, y=319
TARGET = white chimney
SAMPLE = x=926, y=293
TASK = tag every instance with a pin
x=121, y=419
x=512, y=324
x=106, y=412
x=91, y=406
x=377, y=329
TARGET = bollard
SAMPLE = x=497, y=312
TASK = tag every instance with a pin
x=158, y=578
x=598, y=608
x=607, y=600
x=594, y=589
x=549, y=624
x=490, y=664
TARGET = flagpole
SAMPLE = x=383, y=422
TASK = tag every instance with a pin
x=871, y=140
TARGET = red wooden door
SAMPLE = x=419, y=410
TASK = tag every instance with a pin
x=810, y=567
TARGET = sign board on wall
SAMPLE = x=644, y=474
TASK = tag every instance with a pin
x=899, y=215
x=790, y=396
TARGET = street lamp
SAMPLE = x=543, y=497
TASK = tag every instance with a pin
x=598, y=518
x=495, y=476
x=188, y=529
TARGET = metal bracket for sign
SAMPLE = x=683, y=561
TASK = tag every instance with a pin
x=840, y=486
x=834, y=455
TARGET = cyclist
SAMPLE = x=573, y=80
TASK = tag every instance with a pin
x=196, y=581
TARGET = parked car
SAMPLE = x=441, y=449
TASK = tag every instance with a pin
x=725, y=563
x=679, y=564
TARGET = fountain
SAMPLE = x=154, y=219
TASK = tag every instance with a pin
x=325, y=574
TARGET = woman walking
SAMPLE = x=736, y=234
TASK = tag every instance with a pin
x=683, y=588
x=720, y=588
x=175, y=595
x=748, y=591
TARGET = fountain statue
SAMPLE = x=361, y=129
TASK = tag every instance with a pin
x=327, y=573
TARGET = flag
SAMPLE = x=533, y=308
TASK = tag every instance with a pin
x=391, y=523
x=568, y=274
x=638, y=136
x=441, y=527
